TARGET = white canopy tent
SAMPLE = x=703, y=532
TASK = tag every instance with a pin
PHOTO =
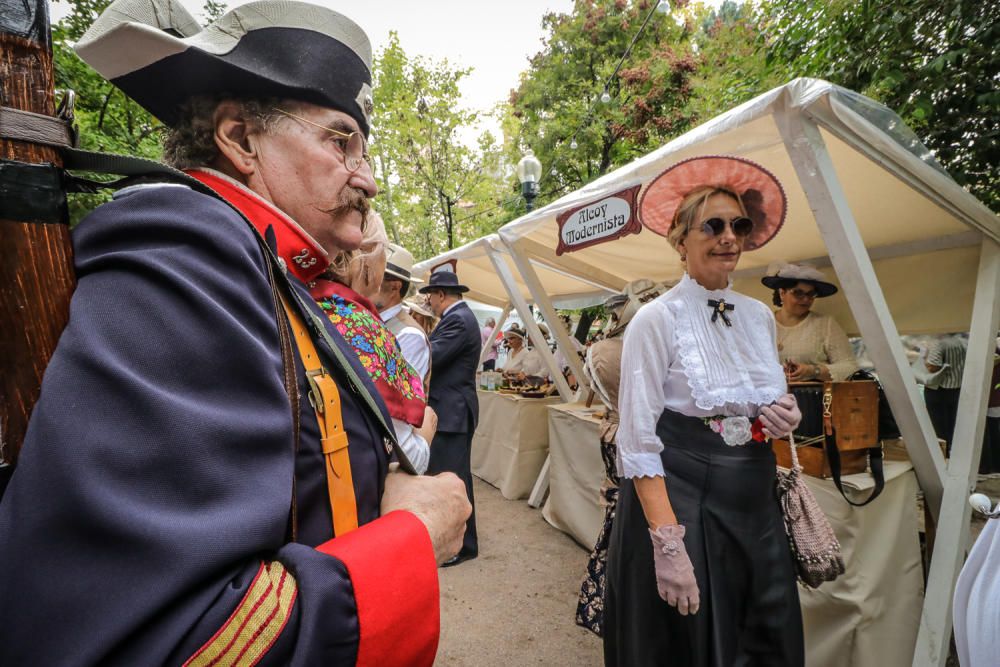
x=913, y=252
x=484, y=267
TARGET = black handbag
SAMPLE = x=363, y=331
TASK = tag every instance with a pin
x=887, y=427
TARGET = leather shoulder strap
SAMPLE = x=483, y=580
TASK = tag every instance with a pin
x=325, y=399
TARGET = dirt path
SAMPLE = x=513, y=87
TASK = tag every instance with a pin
x=515, y=604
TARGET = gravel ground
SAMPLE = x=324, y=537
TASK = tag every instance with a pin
x=516, y=603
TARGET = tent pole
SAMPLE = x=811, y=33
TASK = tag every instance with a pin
x=952, y=540
x=541, y=486
x=850, y=259
x=542, y=300
x=507, y=278
x=493, y=334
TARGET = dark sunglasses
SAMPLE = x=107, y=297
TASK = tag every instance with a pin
x=716, y=226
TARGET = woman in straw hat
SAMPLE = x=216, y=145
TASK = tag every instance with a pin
x=699, y=567
x=812, y=346
x=522, y=361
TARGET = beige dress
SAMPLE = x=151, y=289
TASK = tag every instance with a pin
x=817, y=339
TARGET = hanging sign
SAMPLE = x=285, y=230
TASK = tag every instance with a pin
x=604, y=220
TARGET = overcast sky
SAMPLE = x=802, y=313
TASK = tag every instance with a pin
x=495, y=38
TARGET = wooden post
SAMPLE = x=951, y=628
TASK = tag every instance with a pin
x=36, y=263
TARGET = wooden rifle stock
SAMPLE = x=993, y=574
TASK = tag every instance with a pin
x=36, y=262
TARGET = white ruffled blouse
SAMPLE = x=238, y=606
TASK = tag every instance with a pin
x=675, y=357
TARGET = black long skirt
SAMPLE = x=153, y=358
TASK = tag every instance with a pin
x=725, y=497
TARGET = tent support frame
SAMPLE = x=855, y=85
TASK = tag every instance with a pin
x=945, y=489
x=854, y=268
x=952, y=541
x=541, y=299
x=521, y=305
x=493, y=334
x=523, y=264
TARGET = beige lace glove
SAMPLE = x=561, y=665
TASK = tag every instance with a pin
x=674, y=573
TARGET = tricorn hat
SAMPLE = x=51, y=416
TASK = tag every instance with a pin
x=762, y=195
x=399, y=263
x=783, y=276
x=156, y=52
x=443, y=280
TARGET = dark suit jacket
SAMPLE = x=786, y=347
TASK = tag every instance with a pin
x=455, y=349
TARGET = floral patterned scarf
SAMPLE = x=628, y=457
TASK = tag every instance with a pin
x=359, y=323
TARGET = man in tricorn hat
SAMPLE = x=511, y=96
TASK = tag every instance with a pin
x=178, y=498
x=455, y=349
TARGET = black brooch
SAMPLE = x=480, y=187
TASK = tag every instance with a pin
x=719, y=308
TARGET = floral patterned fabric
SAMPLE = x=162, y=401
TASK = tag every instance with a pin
x=590, y=606
x=358, y=322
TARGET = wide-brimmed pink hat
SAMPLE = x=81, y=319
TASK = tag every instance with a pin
x=762, y=194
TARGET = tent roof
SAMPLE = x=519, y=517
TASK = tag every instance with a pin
x=921, y=228
x=475, y=270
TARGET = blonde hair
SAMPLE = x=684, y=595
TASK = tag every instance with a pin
x=691, y=207
x=374, y=240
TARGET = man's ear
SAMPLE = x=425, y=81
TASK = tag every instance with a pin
x=233, y=138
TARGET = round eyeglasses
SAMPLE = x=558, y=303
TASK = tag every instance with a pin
x=716, y=226
x=352, y=145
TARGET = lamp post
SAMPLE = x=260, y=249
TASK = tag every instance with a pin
x=529, y=170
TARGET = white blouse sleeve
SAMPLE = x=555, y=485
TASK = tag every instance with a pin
x=642, y=397
x=413, y=445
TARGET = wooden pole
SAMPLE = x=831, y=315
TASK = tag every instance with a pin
x=36, y=263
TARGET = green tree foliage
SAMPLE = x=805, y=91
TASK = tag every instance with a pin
x=559, y=102
x=108, y=121
x=733, y=67
x=428, y=173
x=935, y=62
x=213, y=9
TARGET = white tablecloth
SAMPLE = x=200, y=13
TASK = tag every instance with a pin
x=511, y=442
x=868, y=617
x=576, y=473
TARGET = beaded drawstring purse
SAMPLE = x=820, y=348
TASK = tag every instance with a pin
x=814, y=545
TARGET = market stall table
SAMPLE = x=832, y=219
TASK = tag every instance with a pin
x=870, y=615
x=576, y=472
x=511, y=441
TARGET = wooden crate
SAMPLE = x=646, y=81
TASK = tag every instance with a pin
x=814, y=462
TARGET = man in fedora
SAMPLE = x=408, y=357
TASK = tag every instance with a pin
x=178, y=499
x=455, y=349
x=395, y=286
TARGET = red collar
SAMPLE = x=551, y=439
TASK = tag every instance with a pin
x=303, y=256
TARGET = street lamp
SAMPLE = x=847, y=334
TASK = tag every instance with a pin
x=529, y=170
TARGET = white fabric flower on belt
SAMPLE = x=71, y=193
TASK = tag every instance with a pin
x=735, y=431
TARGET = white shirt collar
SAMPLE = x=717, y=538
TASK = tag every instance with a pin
x=391, y=312
x=449, y=308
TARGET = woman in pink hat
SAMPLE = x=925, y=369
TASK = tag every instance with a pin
x=699, y=568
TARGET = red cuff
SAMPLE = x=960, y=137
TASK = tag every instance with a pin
x=395, y=579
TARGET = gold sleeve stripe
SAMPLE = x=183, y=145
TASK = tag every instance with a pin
x=256, y=622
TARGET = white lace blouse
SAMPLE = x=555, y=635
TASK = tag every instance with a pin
x=676, y=357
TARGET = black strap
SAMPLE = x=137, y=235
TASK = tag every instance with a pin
x=874, y=460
